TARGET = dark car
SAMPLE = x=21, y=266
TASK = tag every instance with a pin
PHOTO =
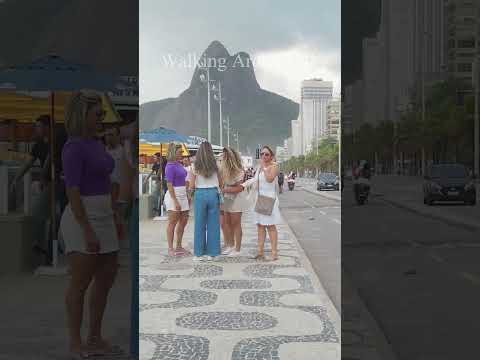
x=449, y=182
x=327, y=181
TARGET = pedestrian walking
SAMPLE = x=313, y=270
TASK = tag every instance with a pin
x=267, y=211
x=281, y=179
x=87, y=224
x=176, y=199
x=207, y=185
x=234, y=204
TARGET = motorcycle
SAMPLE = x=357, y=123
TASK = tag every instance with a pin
x=362, y=190
x=291, y=184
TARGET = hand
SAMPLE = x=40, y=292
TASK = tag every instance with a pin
x=178, y=207
x=92, y=243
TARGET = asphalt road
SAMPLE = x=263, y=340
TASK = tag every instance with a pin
x=316, y=223
x=419, y=277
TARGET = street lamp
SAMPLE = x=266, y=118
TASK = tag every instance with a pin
x=207, y=80
x=218, y=97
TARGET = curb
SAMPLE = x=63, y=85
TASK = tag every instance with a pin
x=318, y=193
x=382, y=346
x=454, y=221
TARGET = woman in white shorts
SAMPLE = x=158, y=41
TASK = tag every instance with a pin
x=176, y=199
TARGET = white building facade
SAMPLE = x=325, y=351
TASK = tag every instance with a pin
x=315, y=96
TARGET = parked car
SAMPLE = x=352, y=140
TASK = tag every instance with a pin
x=327, y=181
x=449, y=182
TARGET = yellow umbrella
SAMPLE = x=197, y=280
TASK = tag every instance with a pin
x=151, y=149
x=25, y=108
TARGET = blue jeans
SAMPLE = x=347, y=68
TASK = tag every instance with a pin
x=207, y=222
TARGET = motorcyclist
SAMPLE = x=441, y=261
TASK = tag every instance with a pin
x=361, y=174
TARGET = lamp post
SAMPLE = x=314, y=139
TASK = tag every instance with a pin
x=209, y=120
x=218, y=96
x=228, y=131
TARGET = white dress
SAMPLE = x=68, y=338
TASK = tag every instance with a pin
x=270, y=190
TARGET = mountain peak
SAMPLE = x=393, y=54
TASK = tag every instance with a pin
x=216, y=49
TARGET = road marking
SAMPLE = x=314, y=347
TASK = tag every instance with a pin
x=322, y=212
x=336, y=221
x=307, y=203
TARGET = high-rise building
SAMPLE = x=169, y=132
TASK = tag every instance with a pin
x=333, y=119
x=315, y=96
x=463, y=36
x=296, y=148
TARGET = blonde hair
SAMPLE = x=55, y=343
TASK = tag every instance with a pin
x=172, y=152
x=77, y=110
x=205, y=163
x=231, y=164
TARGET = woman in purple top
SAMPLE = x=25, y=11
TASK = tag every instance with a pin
x=87, y=224
x=177, y=201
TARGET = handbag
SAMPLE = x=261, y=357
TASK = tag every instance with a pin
x=264, y=204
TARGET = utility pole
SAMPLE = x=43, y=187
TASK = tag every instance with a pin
x=221, y=119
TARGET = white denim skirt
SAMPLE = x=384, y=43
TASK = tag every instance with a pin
x=100, y=215
x=181, y=195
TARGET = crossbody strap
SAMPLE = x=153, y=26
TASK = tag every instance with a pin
x=258, y=183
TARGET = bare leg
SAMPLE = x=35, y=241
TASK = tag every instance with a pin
x=227, y=230
x=105, y=275
x=182, y=223
x=82, y=268
x=273, y=235
x=236, y=221
x=261, y=230
x=173, y=217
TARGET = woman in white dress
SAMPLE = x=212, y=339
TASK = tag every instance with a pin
x=264, y=183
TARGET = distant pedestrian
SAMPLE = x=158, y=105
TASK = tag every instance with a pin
x=234, y=204
x=176, y=199
x=281, y=179
x=206, y=183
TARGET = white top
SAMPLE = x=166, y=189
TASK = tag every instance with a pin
x=117, y=154
x=204, y=183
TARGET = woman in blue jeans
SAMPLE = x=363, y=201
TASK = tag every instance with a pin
x=207, y=184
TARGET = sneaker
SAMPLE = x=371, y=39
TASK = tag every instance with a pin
x=210, y=258
x=198, y=258
x=234, y=253
x=227, y=250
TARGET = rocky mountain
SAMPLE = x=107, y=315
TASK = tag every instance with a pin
x=260, y=116
x=101, y=33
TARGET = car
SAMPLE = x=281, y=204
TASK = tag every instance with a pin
x=327, y=181
x=449, y=182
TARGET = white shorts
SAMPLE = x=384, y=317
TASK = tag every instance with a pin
x=100, y=215
x=181, y=195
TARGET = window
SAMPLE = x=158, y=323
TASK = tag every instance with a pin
x=466, y=43
x=464, y=67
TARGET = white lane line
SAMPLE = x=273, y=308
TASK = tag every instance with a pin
x=336, y=221
x=307, y=203
x=322, y=212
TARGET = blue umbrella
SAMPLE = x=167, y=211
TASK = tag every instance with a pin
x=53, y=73
x=162, y=135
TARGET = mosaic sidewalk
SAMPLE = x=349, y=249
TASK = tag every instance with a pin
x=232, y=308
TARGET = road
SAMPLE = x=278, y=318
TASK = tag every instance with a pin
x=418, y=276
x=316, y=223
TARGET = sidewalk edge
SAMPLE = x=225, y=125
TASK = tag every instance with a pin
x=382, y=345
x=315, y=279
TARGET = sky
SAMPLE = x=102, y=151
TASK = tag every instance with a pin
x=289, y=41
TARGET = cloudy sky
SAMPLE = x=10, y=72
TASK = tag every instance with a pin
x=289, y=41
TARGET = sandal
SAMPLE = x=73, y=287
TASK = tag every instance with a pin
x=171, y=252
x=259, y=257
